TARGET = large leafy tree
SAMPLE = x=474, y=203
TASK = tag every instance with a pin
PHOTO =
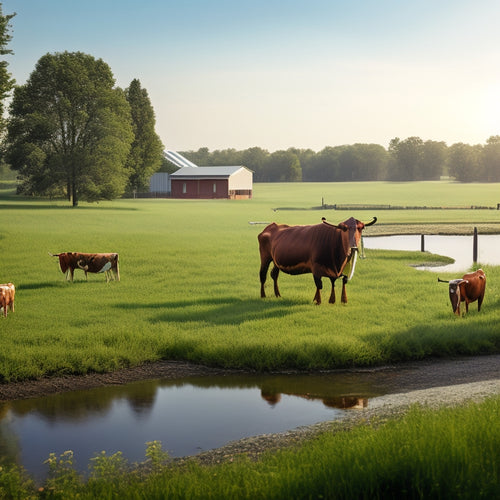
x=146, y=153
x=6, y=80
x=70, y=130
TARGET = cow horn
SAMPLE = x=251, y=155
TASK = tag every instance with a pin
x=442, y=281
x=371, y=223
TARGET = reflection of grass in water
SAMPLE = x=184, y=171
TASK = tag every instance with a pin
x=447, y=453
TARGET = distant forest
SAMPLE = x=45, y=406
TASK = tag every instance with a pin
x=411, y=159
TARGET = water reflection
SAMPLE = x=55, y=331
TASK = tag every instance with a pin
x=188, y=415
x=459, y=248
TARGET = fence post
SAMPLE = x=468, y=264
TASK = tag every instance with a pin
x=422, y=243
x=474, y=247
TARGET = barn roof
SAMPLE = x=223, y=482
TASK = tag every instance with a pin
x=206, y=172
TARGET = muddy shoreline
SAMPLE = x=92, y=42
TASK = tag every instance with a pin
x=398, y=378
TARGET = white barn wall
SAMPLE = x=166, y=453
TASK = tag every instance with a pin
x=242, y=179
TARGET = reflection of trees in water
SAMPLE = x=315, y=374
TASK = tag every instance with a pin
x=341, y=402
x=10, y=450
x=141, y=398
x=80, y=405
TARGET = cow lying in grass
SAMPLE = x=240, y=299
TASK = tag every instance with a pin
x=7, y=296
x=106, y=263
x=469, y=288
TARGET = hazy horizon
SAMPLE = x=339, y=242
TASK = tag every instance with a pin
x=285, y=74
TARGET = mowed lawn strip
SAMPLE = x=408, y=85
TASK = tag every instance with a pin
x=190, y=288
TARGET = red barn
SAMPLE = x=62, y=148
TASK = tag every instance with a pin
x=212, y=182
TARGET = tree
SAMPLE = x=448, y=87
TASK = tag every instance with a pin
x=433, y=160
x=464, y=162
x=491, y=160
x=70, y=130
x=282, y=166
x=6, y=81
x=255, y=159
x=146, y=152
x=324, y=166
x=406, y=159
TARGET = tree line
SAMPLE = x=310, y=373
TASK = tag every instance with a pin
x=411, y=159
x=71, y=132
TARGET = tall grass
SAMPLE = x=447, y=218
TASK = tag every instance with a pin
x=190, y=288
x=425, y=454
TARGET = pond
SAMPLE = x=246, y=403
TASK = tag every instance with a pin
x=187, y=416
x=459, y=248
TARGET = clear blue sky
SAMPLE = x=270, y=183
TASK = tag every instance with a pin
x=278, y=73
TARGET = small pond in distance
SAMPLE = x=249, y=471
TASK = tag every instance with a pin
x=459, y=248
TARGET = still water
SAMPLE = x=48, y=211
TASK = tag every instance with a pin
x=187, y=416
x=459, y=248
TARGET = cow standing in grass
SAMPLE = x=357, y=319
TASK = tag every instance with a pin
x=7, y=297
x=469, y=288
x=321, y=249
x=106, y=263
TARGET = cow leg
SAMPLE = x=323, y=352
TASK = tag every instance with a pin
x=274, y=275
x=263, y=276
x=344, y=294
x=319, y=286
x=479, y=302
x=332, y=295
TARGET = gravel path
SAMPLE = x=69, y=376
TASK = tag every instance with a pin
x=433, y=384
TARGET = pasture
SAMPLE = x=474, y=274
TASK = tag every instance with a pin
x=189, y=286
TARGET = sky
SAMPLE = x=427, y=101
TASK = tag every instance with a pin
x=285, y=73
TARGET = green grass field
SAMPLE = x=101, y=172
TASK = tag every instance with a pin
x=190, y=290
x=190, y=286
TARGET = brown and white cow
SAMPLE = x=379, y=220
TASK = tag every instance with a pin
x=7, y=297
x=469, y=288
x=321, y=249
x=106, y=263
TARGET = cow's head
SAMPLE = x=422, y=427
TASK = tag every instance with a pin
x=355, y=228
x=455, y=289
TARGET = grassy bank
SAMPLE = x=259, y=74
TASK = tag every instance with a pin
x=190, y=288
x=425, y=454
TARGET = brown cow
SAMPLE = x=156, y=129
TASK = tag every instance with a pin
x=106, y=263
x=321, y=249
x=469, y=288
x=7, y=297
